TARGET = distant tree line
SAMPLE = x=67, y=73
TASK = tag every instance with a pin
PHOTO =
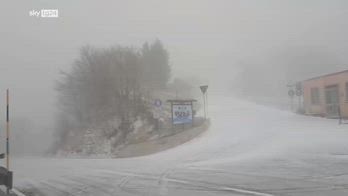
x=106, y=83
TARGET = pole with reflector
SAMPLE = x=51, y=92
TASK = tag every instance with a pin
x=8, y=133
x=7, y=130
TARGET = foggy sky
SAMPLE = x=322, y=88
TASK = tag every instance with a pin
x=208, y=39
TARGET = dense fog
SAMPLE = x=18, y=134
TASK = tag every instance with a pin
x=251, y=48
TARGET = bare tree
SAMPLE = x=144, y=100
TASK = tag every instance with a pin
x=109, y=83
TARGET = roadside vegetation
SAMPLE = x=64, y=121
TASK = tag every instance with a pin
x=105, y=99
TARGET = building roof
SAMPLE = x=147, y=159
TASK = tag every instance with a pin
x=326, y=75
x=181, y=100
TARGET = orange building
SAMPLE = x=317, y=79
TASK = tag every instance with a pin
x=326, y=95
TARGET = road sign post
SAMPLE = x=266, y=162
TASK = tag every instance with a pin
x=291, y=94
x=299, y=93
x=6, y=176
x=204, y=90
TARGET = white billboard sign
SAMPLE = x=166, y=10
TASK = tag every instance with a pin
x=182, y=114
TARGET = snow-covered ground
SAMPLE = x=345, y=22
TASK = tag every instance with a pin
x=249, y=150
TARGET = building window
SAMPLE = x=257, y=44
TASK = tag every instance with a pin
x=346, y=91
x=315, y=96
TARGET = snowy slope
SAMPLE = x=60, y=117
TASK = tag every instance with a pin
x=249, y=150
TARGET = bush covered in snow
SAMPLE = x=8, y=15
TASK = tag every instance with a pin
x=106, y=99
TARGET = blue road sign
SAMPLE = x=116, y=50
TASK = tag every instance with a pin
x=158, y=103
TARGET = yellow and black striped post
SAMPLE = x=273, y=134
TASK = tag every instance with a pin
x=8, y=136
x=7, y=130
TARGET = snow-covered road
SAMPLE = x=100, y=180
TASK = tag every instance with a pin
x=248, y=150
